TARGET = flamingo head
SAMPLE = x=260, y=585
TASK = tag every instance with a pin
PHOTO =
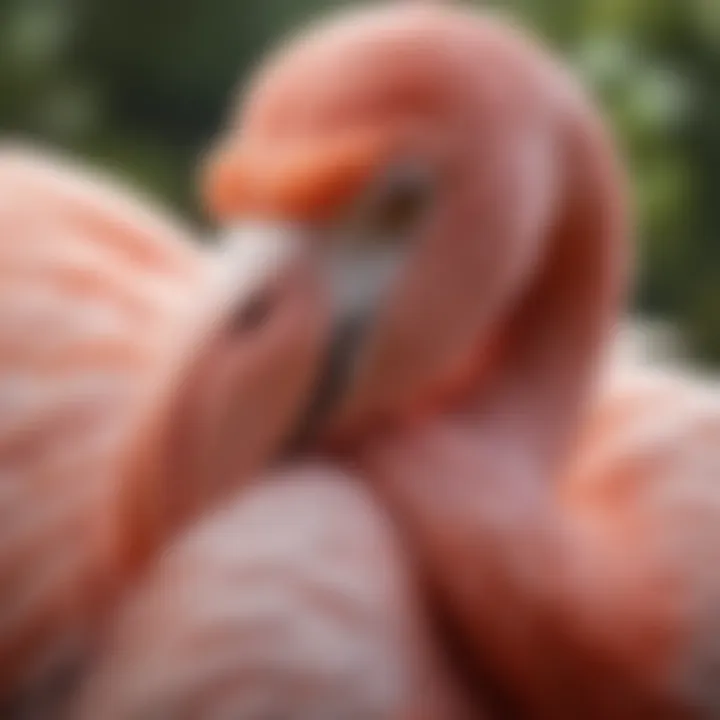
x=415, y=152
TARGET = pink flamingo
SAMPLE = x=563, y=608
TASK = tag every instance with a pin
x=566, y=529
x=106, y=310
x=460, y=194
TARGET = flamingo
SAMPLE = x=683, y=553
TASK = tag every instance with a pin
x=463, y=207
x=112, y=317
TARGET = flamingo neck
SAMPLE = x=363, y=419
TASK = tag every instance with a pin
x=551, y=349
x=473, y=486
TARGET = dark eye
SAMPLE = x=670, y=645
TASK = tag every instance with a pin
x=397, y=205
x=253, y=313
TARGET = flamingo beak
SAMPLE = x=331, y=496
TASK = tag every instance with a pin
x=292, y=310
x=357, y=283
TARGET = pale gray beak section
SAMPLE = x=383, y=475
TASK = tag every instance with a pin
x=360, y=280
x=252, y=259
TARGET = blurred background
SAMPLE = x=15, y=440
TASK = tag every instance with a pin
x=139, y=86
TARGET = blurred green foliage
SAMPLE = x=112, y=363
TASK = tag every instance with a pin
x=139, y=86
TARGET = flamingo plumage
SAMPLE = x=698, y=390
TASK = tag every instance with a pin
x=112, y=318
x=534, y=531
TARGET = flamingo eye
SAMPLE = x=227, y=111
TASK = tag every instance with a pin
x=394, y=208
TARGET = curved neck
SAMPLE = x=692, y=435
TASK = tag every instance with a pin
x=555, y=338
x=472, y=487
